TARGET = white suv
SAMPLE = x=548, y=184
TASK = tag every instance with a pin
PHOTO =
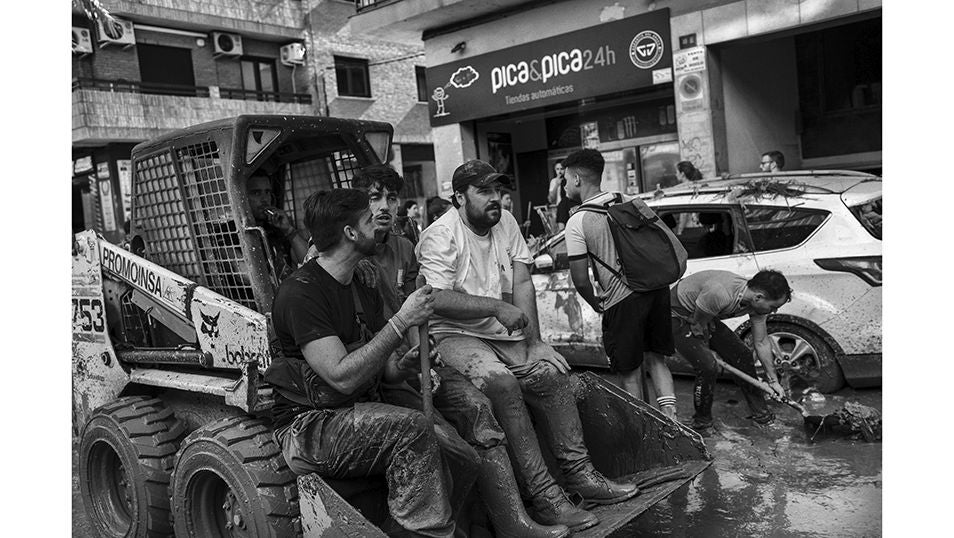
x=821, y=229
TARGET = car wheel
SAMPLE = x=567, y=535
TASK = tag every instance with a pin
x=800, y=353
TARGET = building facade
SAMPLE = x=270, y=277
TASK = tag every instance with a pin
x=174, y=63
x=649, y=84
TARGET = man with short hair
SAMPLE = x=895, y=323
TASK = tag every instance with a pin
x=699, y=304
x=772, y=161
x=337, y=348
x=486, y=327
x=287, y=244
x=635, y=324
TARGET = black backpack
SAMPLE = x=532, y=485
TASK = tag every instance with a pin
x=650, y=255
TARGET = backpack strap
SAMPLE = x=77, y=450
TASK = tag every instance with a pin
x=602, y=209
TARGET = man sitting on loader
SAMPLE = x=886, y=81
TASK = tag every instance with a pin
x=337, y=348
x=287, y=243
x=487, y=328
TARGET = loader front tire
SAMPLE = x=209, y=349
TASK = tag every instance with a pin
x=127, y=450
x=230, y=479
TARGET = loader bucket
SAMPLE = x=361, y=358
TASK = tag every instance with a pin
x=626, y=438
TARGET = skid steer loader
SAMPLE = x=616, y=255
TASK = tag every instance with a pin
x=171, y=337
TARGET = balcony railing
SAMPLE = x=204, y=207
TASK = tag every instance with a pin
x=254, y=95
x=126, y=86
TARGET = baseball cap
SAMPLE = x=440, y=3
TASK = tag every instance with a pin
x=477, y=173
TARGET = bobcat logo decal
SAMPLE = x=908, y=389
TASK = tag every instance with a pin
x=210, y=325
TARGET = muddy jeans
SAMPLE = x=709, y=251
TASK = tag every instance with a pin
x=377, y=439
x=500, y=371
x=732, y=350
x=464, y=424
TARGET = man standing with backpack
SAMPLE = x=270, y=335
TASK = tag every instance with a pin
x=634, y=261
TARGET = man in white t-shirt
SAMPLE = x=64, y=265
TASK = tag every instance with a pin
x=486, y=327
x=636, y=325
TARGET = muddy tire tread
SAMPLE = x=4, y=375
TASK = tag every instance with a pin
x=251, y=442
x=155, y=433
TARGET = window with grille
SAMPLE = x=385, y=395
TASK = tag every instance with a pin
x=352, y=75
x=159, y=216
x=303, y=178
x=213, y=224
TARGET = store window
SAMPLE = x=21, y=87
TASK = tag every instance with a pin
x=352, y=75
x=259, y=79
x=421, y=84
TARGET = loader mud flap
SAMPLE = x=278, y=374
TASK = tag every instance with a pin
x=628, y=438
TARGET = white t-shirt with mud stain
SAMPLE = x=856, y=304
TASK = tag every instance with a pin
x=454, y=257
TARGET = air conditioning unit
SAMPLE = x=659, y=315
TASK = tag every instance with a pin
x=82, y=41
x=117, y=32
x=293, y=54
x=227, y=44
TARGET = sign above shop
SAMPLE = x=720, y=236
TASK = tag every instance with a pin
x=616, y=56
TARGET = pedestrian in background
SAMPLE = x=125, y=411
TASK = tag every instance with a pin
x=405, y=223
x=436, y=206
x=772, y=161
x=636, y=325
x=686, y=172
x=506, y=202
x=556, y=192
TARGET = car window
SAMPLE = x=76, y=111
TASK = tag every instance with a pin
x=772, y=228
x=705, y=234
x=869, y=215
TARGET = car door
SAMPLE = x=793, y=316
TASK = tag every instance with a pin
x=714, y=235
x=566, y=321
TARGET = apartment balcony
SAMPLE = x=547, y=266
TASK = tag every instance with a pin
x=406, y=20
x=281, y=18
x=120, y=111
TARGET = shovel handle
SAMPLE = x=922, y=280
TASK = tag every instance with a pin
x=424, y=348
x=759, y=384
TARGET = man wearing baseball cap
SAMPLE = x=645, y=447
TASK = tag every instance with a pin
x=485, y=323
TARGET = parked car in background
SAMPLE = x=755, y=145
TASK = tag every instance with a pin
x=822, y=229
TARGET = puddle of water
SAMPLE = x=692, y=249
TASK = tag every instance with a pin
x=772, y=482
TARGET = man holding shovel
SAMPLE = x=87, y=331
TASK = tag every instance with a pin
x=699, y=303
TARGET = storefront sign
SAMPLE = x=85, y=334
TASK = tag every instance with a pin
x=615, y=56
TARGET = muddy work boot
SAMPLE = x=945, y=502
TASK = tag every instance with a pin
x=597, y=489
x=498, y=490
x=552, y=507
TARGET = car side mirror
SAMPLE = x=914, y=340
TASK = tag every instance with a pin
x=543, y=263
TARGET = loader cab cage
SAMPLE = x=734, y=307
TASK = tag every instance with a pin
x=190, y=205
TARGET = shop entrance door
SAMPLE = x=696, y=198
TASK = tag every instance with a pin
x=532, y=186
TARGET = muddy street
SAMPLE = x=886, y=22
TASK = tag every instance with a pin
x=764, y=481
x=770, y=481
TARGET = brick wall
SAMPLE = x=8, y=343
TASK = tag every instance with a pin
x=116, y=63
x=391, y=71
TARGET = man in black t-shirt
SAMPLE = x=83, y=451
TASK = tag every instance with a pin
x=328, y=417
